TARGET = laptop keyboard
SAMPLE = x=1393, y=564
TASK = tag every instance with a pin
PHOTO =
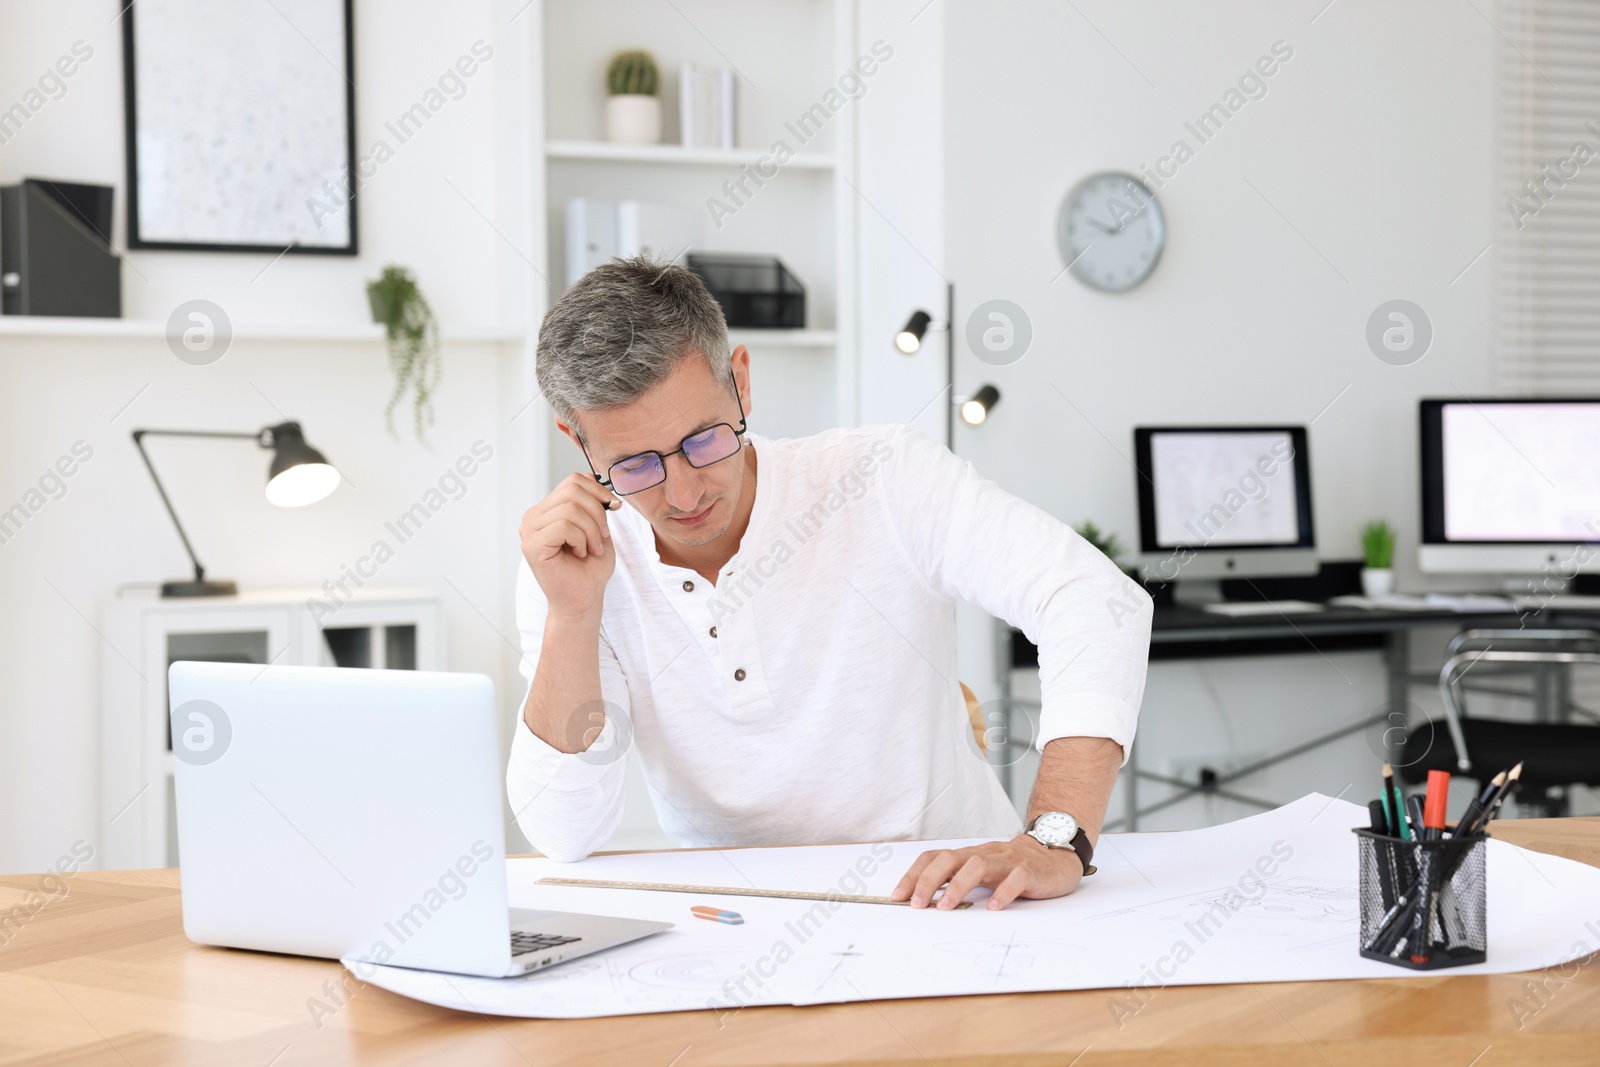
x=522, y=941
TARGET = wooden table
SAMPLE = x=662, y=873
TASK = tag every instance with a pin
x=104, y=975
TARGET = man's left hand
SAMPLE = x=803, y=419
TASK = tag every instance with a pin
x=1020, y=867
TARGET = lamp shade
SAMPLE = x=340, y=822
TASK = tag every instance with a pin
x=909, y=339
x=299, y=474
x=975, y=410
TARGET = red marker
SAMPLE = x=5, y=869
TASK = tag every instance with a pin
x=1438, y=798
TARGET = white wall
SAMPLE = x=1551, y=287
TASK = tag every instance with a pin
x=1370, y=151
x=1372, y=142
x=410, y=214
x=109, y=529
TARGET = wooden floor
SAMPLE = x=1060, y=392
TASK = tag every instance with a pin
x=102, y=974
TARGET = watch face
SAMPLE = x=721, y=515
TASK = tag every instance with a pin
x=1111, y=231
x=1056, y=828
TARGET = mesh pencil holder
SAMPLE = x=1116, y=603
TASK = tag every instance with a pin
x=1424, y=904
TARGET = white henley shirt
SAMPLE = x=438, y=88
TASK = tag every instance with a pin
x=810, y=696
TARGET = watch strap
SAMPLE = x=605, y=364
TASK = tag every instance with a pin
x=1079, y=844
x=1085, y=850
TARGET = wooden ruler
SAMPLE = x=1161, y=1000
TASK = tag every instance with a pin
x=722, y=890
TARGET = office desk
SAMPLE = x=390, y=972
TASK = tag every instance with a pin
x=1179, y=632
x=104, y=976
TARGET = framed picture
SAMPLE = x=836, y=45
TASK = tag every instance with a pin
x=240, y=126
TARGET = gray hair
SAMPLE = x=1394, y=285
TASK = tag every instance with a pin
x=622, y=329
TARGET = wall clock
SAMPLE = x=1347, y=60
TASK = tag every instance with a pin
x=1111, y=231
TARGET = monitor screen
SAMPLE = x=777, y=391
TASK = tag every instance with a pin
x=1223, y=487
x=1511, y=471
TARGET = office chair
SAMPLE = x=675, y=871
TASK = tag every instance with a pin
x=975, y=717
x=1554, y=754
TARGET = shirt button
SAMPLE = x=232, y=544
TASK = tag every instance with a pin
x=688, y=587
x=738, y=675
x=713, y=631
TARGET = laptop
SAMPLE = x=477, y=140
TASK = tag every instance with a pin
x=356, y=814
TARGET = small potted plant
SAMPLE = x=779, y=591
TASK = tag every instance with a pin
x=633, y=110
x=413, y=336
x=1106, y=541
x=1377, y=545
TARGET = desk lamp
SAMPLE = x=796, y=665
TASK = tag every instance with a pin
x=299, y=475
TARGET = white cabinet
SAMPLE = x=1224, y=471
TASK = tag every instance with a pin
x=396, y=629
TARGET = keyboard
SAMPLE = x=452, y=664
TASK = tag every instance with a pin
x=1241, y=608
x=523, y=941
x=1569, y=601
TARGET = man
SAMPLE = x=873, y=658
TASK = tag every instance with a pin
x=772, y=623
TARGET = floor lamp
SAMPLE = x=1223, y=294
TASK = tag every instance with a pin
x=974, y=410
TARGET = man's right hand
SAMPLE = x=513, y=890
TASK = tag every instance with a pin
x=566, y=542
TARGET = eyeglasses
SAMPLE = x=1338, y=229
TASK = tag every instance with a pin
x=649, y=469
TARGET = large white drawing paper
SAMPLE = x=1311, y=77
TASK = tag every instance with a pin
x=1271, y=898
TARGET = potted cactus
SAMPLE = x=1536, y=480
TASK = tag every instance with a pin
x=633, y=110
x=1377, y=545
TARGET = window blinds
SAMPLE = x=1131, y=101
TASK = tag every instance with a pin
x=1547, y=197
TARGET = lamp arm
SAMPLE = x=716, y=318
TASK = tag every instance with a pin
x=138, y=442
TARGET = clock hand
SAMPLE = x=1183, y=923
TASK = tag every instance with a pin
x=1100, y=225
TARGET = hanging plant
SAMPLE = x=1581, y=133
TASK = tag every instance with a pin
x=413, y=339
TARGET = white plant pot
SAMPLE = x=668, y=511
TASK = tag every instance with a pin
x=632, y=118
x=1377, y=581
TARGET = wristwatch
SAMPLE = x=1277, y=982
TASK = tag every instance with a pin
x=1057, y=829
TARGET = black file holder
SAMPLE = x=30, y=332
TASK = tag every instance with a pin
x=55, y=253
x=756, y=292
x=1424, y=904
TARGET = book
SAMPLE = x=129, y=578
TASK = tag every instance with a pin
x=725, y=113
x=688, y=127
x=707, y=112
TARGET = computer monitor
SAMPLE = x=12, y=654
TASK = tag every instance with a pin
x=1223, y=502
x=1510, y=486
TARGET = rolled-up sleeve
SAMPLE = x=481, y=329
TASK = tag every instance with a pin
x=974, y=541
x=567, y=803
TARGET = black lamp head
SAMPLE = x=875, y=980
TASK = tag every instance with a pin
x=299, y=474
x=975, y=409
x=909, y=339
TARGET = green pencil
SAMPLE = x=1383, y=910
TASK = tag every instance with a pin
x=1396, y=808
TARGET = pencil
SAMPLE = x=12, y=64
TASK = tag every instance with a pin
x=1468, y=823
x=1504, y=794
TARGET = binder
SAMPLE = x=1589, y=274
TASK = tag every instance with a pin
x=55, y=250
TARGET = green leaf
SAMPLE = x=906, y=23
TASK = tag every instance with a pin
x=413, y=340
x=1107, y=543
x=1377, y=544
x=633, y=72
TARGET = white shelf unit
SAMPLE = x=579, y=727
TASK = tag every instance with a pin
x=36, y=326
x=806, y=215
x=606, y=152
x=402, y=629
x=754, y=339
